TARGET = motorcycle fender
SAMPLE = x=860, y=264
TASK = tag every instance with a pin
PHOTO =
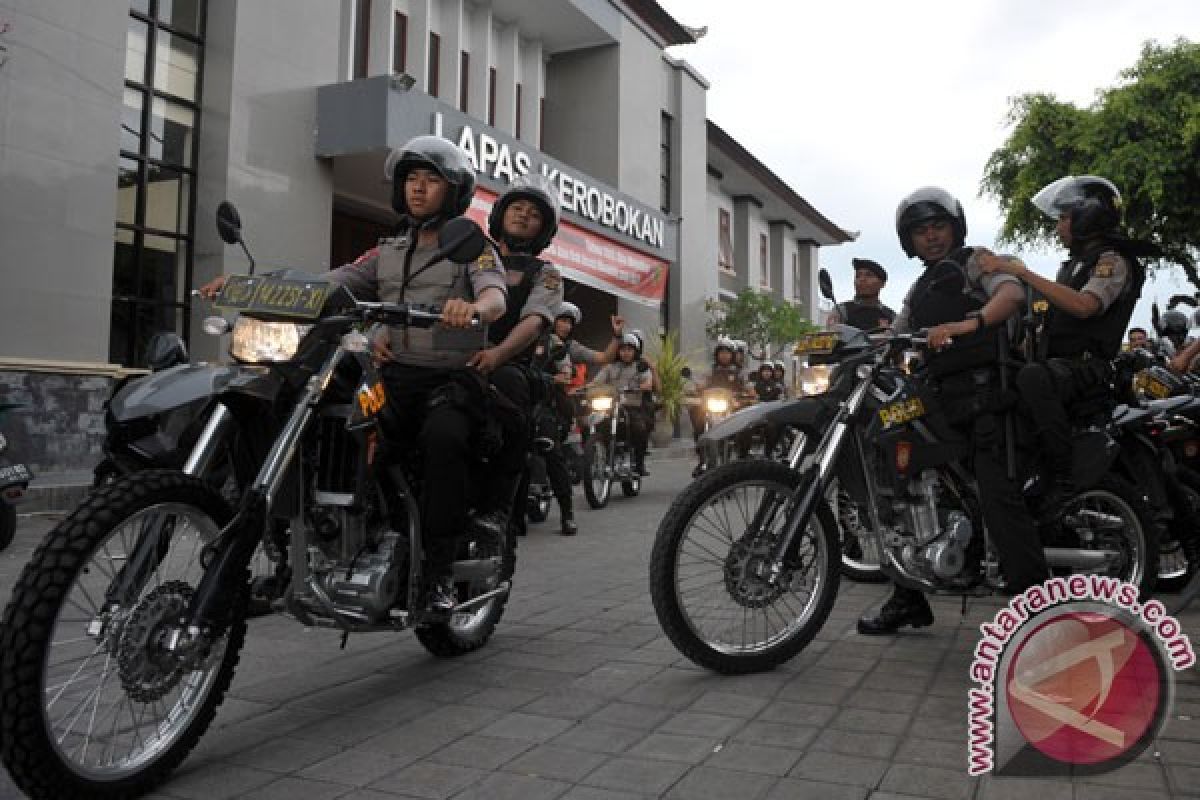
x=803, y=412
x=14, y=480
x=170, y=389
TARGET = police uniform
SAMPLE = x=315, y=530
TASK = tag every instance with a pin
x=534, y=289
x=967, y=383
x=864, y=316
x=1077, y=353
x=627, y=379
x=434, y=400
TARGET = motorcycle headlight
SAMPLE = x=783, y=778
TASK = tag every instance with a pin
x=716, y=405
x=602, y=404
x=255, y=340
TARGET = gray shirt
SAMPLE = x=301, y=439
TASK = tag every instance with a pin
x=379, y=275
x=624, y=378
x=985, y=286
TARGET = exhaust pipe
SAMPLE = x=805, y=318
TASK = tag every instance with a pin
x=1078, y=558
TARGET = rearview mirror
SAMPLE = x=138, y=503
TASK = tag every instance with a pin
x=229, y=223
x=165, y=350
x=1156, y=318
x=461, y=240
x=826, y=284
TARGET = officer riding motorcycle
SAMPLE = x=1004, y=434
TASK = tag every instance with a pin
x=632, y=377
x=1091, y=302
x=966, y=313
x=522, y=222
x=725, y=385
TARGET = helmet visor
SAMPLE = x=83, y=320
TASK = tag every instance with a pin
x=1063, y=195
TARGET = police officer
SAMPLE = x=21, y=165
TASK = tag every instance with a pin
x=522, y=222
x=865, y=311
x=568, y=319
x=1173, y=326
x=766, y=386
x=1139, y=339
x=963, y=309
x=780, y=372
x=1091, y=302
x=724, y=375
x=630, y=375
x=440, y=403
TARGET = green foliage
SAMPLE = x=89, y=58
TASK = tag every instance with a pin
x=1143, y=135
x=758, y=318
x=669, y=364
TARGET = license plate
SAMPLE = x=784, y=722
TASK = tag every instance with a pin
x=15, y=473
x=901, y=411
x=277, y=296
x=816, y=343
x=1152, y=386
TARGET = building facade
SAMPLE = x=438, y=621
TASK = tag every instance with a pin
x=124, y=123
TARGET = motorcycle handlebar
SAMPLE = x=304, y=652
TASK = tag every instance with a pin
x=407, y=314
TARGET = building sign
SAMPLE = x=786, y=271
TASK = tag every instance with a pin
x=503, y=161
x=594, y=260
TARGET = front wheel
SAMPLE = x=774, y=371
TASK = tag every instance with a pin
x=93, y=702
x=710, y=567
x=597, y=473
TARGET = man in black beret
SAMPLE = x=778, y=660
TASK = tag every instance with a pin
x=865, y=311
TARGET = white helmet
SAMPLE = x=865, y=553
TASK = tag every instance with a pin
x=571, y=311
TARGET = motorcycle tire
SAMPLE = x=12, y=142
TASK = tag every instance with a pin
x=597, y=488
x=538, y=509
x=1175, y=569
x=668, y=548
x=74, y=551
x=457, y=637
x=8, y=524
x=631, y=488
x=1142, y=573
x=854, y=566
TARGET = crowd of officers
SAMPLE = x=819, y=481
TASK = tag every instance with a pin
x=461, y=405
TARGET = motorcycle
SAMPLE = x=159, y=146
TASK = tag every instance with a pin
x=745, y=566
x=124, y=630
x=15, y=478
x=608, y=452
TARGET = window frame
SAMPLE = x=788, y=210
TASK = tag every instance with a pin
x=399, y=42
x=725, y=242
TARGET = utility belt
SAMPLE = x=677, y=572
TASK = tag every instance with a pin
x=967, y=394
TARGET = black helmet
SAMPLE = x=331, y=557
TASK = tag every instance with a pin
x=539, y=190
x=1093, y=203
x=443, y=157
x=925, y=204
x=1174, y=322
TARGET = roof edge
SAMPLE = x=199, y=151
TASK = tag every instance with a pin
x=661, y=22
x=746, y=160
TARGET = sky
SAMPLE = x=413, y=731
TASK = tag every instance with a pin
x=855, y=103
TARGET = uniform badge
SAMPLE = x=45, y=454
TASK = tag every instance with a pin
x=486, y=261
x=1104, y=269
x=552, y=280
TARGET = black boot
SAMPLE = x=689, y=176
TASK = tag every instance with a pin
x=569, y=528
x=491, y=525
x=904, y=607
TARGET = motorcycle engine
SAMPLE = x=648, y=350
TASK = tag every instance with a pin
x=936, y=549
x=371, y=583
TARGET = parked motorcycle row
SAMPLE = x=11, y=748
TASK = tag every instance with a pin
x=747, y=562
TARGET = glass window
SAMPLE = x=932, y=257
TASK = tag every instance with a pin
x=131, y=120
x=135, y=51
x=168, y=198
x=171, y=128
x=128, y=187
x=176, y=65
x=724, y=241
x=764, y=276
x=163, y=272
x=140, y=6
x=182, y=15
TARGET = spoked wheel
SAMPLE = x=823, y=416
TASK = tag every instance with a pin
x=710, y=570
x=1111, y=519
x=597, y=473
x=95, y=702
x=860, y=552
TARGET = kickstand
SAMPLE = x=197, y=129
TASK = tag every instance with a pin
x=963, y=613
x=346, y=634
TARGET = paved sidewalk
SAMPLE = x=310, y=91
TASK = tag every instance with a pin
x=580, y=697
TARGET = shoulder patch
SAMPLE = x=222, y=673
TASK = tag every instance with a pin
x=1105, y=267
x=486, y=261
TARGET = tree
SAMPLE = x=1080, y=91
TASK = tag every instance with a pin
x=758, y=318
x=1143, y=135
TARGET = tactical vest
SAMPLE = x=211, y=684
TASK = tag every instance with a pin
x=863, y=316
x=518, y=295
x=725, y=378
x=1101, y=335
x=768, y=390
x=931, y=305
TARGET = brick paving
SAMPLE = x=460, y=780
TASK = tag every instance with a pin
x=580, y=697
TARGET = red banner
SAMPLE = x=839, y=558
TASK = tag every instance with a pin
x=594, y=260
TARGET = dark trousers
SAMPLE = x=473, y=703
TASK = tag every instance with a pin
x=432, y=414
x=640, y=423
x=514, y=383
x=1046, y=390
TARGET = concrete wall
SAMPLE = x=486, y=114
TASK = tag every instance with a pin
x=695, y=278
x=256, y=145
x=60, y=110
x=584, y=134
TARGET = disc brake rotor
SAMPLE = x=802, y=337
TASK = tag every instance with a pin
x=148, y=671
x=746, y=569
